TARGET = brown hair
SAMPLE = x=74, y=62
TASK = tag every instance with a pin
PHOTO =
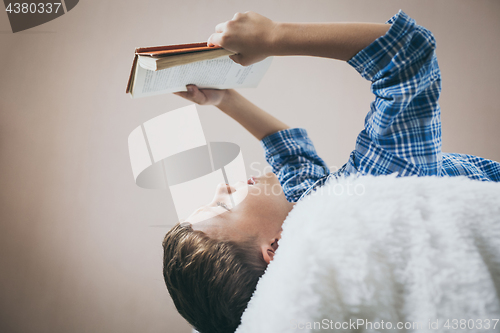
x=209, y=280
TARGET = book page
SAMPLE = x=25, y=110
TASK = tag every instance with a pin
x=220, y=73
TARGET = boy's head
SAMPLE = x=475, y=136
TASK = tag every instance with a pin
x=213, y=261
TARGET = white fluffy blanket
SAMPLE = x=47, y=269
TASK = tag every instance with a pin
x=405, y=251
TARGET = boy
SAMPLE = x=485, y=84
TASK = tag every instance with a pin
x=212, y=262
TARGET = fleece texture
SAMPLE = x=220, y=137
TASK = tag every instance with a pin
x=418, y=250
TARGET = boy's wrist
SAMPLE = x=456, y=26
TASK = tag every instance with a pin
x=273, y=39
x=277, y=39
x=281, y=39
x=226, y=100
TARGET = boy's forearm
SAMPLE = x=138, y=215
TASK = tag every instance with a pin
x=254, y=37
x=331, y=40
x=258, y=122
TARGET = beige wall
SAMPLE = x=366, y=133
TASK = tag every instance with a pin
x=80, y=244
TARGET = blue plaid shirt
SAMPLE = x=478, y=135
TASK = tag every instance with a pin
x=402, y=131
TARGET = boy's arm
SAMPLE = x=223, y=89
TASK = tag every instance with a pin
x=255, y=120
x=403, y=128
x=255, y=37
x=402, y=132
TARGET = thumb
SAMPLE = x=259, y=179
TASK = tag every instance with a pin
x=194, y=94
x=181, y=93
x=214, y=39
x=236, y=58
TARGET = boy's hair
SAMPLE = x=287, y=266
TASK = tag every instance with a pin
x=209, y=280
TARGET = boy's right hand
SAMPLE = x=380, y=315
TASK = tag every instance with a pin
x=202, y=96
x=248, y=34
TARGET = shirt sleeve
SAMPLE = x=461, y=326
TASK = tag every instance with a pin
x=294, y=160
x=402, y=131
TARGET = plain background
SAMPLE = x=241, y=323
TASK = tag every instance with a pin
x=80, y=243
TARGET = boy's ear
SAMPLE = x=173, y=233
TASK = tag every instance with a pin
x=267, y=253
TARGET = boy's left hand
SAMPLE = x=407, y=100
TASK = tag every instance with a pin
x=202, y=96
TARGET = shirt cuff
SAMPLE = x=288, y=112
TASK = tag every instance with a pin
x=372, y=59
x=280, y=141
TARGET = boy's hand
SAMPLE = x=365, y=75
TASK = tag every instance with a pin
x=249, y=34
x=202, y=96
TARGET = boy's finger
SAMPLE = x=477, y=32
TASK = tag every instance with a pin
x=214, y=39
x=181, y=93
x=189, y=94
x=221, y=27
x=195, y=94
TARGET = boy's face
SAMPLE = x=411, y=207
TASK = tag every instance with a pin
x=260, y=207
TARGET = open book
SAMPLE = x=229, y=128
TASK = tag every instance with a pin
x=166, y=69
